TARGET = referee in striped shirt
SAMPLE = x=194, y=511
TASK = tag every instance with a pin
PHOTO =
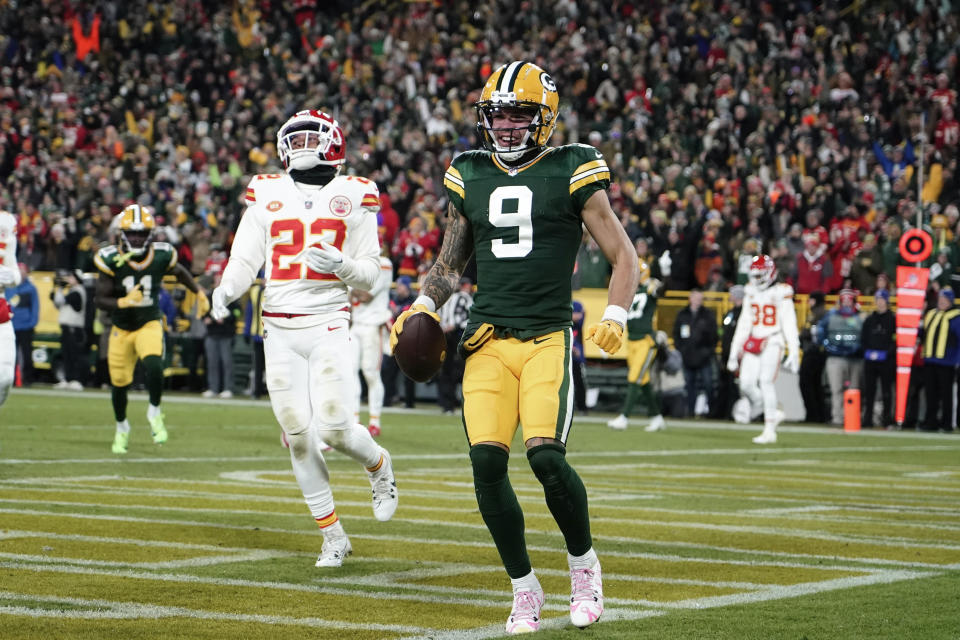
x=453, y=318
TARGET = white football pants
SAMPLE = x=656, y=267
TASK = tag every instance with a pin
x=313, y=395
x=368, y=343
x=8, y=359
x=757, y=373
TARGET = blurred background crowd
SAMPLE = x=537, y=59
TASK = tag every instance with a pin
x=814, y=131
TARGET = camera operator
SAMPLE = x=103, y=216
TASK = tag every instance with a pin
x=70, y=299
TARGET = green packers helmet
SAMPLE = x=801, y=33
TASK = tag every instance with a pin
x=136, y=228
x=518, y=86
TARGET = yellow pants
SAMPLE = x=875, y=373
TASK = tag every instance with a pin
x=640, y=356
x=126, y=347
x=507, y=382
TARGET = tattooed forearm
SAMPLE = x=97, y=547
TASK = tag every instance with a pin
x=444, y=277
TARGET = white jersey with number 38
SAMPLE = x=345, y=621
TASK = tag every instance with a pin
x=282, y=219
x=768, y=314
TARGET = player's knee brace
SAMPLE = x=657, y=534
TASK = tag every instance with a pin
x=489, y=463
x=489, y=475
x=549, y=463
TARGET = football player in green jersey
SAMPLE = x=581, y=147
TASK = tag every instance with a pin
x=131, y=276
x=641, y=353
x=519, y=207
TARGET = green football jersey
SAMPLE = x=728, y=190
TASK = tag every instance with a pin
x=641, y=312
x=127, y=273
x=526, y=229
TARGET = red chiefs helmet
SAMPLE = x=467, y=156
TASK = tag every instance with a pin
x=309, y=139
x=762, y=271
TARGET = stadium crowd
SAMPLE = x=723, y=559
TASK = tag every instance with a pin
x=815, y=132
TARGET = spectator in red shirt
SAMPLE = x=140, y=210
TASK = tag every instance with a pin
x=814, y=268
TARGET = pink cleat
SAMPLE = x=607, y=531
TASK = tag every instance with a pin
x=374, y=430
x=525, y=615
x=586, y=596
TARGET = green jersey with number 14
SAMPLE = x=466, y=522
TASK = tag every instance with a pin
x=159, y=259
x=526, y=229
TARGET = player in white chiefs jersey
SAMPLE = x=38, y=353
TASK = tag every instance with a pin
x=9, y=277
x=369, y=316
x=767, y=326
x=315, y=234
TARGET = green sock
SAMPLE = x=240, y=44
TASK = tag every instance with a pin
x=153, y=374
x=499, y=507
x=565, y=495
x=650, y=399
x=630, y=400
x=118, y=396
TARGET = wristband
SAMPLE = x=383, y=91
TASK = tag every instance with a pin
x=431, y=306
x=616, y=313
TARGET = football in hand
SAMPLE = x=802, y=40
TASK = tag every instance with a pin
x=421, y=347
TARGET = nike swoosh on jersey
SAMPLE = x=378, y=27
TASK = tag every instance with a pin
x=540, y=340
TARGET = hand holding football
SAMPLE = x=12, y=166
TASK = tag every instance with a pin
x=421, y=347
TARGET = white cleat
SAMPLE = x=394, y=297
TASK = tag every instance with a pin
x=656, y=424
x=525, y=615
x=586, y=596
x=767, y=437
x=619, y=423
x=384, y=487
x=334, y=550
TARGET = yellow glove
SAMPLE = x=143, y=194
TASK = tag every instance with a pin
x=608, y=335
x=203, y=304
x=132, y=299
x=398, y=323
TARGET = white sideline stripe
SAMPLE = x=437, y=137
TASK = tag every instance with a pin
x=551, y=549
x=434, y=411
x=112, y=610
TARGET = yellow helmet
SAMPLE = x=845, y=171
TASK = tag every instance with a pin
x=523, y=86
x=136, y=228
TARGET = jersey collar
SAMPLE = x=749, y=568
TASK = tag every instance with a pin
x=511, y=170
x=147, y=259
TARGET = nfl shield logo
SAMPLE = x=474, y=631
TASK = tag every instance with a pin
x=308, y=204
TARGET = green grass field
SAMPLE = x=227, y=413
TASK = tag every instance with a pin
x=701, y=533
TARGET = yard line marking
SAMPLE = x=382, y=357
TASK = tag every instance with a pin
x=779, y=513
x=315, y=588
x=113, y=610
x=486, y=544
x=806, y=534
x=659, y=608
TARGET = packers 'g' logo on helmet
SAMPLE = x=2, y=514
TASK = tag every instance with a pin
x=136, y=228
x=518, y=87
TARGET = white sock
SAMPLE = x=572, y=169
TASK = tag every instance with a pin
x=586, y=561
x=123, y=427
x=528, y=582
x=333, y=531
x=152, y=411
